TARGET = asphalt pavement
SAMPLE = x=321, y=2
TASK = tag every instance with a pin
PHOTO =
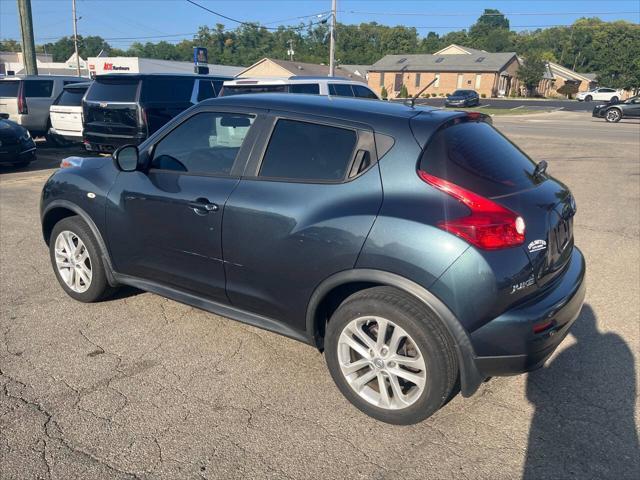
x=143, y=387
x=516, y=103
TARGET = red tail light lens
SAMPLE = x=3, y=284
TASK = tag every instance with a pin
x=489, y=226
x=22, y=102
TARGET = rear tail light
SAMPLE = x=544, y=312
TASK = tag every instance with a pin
x=489, y=226
x=22, y=101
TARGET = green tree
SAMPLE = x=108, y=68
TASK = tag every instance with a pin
x=403, y=92
x=531, y=72
x=10, y=45
x=383, y=93
x=568, y=89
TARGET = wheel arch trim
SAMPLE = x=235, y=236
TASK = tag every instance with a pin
x=470, y=377
x=67, y=205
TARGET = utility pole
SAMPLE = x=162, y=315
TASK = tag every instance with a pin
x=75, y=35
x=332, y=44
x=28, y=44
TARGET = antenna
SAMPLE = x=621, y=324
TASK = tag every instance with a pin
x=412, y=101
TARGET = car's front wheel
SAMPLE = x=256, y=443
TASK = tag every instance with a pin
x=390, y=356
x=613, y=115
x=588, y=98
x=77, y=263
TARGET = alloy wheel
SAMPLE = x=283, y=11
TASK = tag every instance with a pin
x=73, y=261
x=613, y=115
x=381, y=362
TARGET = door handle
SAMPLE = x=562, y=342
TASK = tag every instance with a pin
x=203, y=205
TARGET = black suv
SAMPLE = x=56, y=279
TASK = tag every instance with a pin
x=122, y=109
x=419, y=248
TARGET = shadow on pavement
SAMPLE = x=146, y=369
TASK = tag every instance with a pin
x=48, y=156
x=584, y=421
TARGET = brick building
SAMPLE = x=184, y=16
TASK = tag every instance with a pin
x=453, y=67
x=555, y=76
x=272, y=67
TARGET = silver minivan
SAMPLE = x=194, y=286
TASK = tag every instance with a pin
x=27, y=99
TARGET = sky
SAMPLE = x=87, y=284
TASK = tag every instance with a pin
x=119, y=21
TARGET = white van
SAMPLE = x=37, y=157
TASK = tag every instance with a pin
x=336, y=86
x=27, y=98
x=66, y=113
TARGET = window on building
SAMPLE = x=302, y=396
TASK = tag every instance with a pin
x=437, y=82
x=382, y=79
x=206, y=143
x=308, y=151
x=460, y=79
x=478, y=80
x=397, y=83
x=417, y=80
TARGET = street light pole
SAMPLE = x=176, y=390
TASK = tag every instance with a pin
x=28, y=43
x=332, y=44
x=75, y=35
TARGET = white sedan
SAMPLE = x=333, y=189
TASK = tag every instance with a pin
x=602, y=93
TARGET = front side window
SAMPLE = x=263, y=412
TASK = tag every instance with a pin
x=363, y=92
x=340, y=89
x=308, y=152
x=207, y=143
x=38, y=88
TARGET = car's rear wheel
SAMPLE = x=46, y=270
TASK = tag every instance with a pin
x=75, y=256
x=613, y=115
x=588, y=98
x=390, y=356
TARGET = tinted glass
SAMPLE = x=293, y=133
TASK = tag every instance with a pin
x=167, y=89
x=461, y=93
x=38, y=88
x=70, y=97
x=206, y=90
x=340, y=89
x=308, y=151
x=112, y=90
x=9, y=88
x=311, y=88
x=475, y=156
x=237, y=90
x=206, y=143
x=363, y=92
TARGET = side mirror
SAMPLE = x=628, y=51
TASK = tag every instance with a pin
x=126, y=158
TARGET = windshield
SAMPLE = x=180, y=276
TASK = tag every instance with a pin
x=460, y=93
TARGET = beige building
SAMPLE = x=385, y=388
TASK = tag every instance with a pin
x=452, y=68
x=271, y=67
x=556, y=76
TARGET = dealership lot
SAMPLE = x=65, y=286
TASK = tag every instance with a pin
x=143, y=387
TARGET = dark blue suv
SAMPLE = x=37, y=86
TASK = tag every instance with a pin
x=419, y=249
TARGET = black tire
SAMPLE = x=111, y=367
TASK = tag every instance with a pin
x=426, y=331
x=613, y=115
x=614, y=100
x=99, y=287
x=588, y=98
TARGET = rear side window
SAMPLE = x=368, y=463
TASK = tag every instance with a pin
x=310, y=88
x=237, y=90
x=308, y=151
x=475, y=156
x=207, y=143
x=363, y=92
x=9, y=89
x=340, y=89
x=120, y=90
x=38, y=88
x=70, y=97
x=167, y=89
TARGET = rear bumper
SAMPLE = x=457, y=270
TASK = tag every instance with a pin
x=508, y=345
x=109, y=143
x=72, y=136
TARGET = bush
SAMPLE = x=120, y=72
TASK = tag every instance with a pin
x=568, y=89
x=483, y=95
x=403, y=92
x=383, y=93
x=441, y=94
x=434, y=94
x=448, y=94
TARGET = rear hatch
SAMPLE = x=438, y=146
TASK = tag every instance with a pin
x=9, y=90
x=476, y=157
x=111, y=111
x=66, y=111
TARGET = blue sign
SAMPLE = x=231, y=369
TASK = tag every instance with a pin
x=200, y=56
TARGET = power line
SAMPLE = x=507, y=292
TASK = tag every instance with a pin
x=458, y=14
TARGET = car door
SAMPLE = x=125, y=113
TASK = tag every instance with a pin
x=164, y=222
x=301, y=213
x=39, y=96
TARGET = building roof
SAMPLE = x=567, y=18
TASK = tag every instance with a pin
x=358, y=70
x=477, y=61
x=568, y=74
x=304, y=69
x=455, y=49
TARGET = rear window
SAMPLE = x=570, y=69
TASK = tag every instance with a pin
x=241, y=89
x=38, y=88
x=9, y=88
x=308, y=152
x=167, y=89
x=120, y=90
x=70, y=97
x=310, y=88
x=475, y=156
x=340, y=89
